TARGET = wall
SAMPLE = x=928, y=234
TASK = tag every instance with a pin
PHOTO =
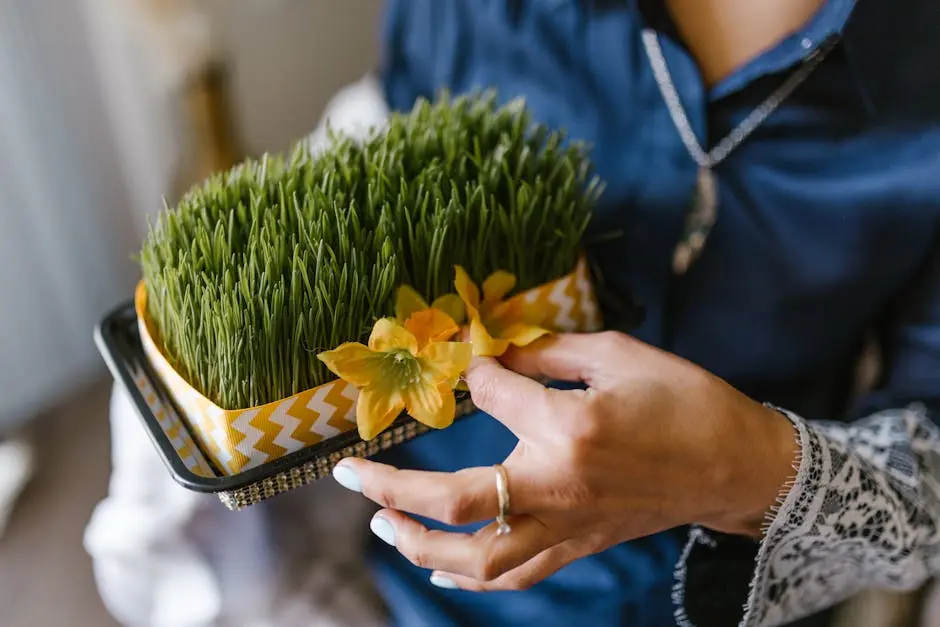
x=288, y=62
x=285, y=58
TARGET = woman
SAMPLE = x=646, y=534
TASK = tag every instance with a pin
x=773, y=169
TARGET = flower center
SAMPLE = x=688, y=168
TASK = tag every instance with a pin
x=401, y=367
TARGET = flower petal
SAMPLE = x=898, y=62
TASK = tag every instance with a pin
x=523, y=334
x=376, y=409
x=433, y=405
x=354, y=363
x=467, y=290
x=431, y=325
x=496, y=287
x=515, y=311
x=452, y=306
x=485, y=345
x=388, y=335
x=445, y=361
x=408, y=302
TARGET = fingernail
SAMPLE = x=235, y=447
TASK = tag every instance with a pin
x=346, y=478
x=383, y=529
x=442, y=582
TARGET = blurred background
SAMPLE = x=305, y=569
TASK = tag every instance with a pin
x=106, y=108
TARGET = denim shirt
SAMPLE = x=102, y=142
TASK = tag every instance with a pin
x=828, y=230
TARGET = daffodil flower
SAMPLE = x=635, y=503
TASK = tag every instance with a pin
x=394, y=373
x=495, y=323
x=436, y=322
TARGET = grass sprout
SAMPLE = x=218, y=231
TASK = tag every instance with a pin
x=261, y=267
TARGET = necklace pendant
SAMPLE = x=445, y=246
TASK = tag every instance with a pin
x=698, y=221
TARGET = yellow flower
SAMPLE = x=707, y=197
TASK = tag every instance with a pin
x=496, y=323
x=435, y=323
x=394, y=373
x=408, y=302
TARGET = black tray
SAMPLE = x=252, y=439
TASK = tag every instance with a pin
x=119, y=343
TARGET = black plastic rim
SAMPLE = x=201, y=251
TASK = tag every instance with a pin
x=118, y=341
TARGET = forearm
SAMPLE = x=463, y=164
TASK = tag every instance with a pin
x=863, y=511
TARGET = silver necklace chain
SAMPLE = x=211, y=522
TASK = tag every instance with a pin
x=747, y=126
x=704, y=210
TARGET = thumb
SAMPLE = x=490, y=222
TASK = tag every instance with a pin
x=516, y=401
x=575, y=357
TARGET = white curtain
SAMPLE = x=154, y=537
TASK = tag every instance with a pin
x=65, y=236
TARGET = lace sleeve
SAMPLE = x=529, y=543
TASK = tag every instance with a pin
x=863, y=511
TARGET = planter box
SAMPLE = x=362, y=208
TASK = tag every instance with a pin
x=249, y=455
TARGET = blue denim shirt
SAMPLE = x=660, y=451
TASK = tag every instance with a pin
x=829, y=216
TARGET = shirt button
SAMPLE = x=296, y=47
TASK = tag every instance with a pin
x=807, y=43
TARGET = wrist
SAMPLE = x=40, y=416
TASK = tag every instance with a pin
x=756, y=477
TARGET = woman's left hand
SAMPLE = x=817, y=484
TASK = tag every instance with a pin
x=654, y=442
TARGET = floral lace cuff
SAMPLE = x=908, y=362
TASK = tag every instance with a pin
x=862, y=512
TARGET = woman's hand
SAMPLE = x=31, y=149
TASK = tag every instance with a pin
x=654, y=443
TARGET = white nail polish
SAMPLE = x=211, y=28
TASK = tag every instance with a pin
x=383, y=529
x=346, y=478
x=442, y=582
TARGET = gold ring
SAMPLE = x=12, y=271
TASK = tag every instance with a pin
x=502, y=495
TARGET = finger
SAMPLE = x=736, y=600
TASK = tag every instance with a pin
x=563, y=357
x=523, y=577
x=521, y=404
x=453, y=498
x=482, y=555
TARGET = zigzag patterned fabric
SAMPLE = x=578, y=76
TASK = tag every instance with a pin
x=173, y=427
x=568, y=303
x=239, y=439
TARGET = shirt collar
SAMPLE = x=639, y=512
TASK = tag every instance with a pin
x=829, y=22
x=832, y=20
